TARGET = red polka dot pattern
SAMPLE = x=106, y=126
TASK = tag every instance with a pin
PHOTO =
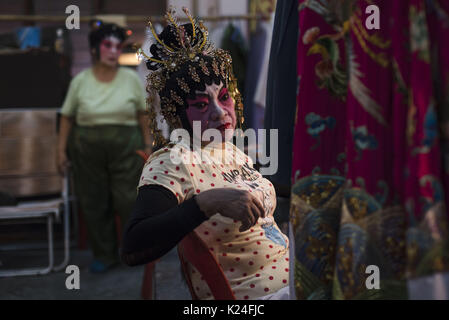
x=254, y=264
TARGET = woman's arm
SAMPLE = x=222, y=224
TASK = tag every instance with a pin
x=157, y=224
x=65, y=126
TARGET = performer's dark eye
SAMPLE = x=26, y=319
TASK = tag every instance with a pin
x=225, y=97
x=200, y=105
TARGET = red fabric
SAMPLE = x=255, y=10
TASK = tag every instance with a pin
x=368, y=176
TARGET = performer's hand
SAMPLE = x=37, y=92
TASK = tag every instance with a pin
x=63, y=162
x=236, y=204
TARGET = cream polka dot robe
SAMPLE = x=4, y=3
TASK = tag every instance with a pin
x=255, y=261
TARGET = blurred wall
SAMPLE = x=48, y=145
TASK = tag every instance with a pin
x=81, y=55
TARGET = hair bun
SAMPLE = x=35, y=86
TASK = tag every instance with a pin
x=101, y=30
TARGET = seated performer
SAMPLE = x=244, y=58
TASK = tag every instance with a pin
x=213, y=190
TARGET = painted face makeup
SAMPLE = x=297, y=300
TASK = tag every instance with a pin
x=110, y=50
x=214, y=108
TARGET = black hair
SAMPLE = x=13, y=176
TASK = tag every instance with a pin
x=100, y=31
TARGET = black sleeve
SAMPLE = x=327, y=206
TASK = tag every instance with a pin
x=157, y=224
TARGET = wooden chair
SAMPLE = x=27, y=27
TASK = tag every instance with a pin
x=193, y=250
x=148, y=290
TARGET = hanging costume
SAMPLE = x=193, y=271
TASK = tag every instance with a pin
x=367, y=166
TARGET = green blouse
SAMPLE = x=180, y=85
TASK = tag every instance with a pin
x=92, y=102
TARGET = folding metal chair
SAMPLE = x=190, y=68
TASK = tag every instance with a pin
x=51, y=210
x=28, y=142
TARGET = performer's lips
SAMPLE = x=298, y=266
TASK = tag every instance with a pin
x=225, y=126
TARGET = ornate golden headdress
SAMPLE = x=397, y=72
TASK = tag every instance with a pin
x=180, y=64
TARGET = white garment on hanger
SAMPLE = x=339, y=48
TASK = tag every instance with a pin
x=261, y=90
x=216, y=33
x=143, y=72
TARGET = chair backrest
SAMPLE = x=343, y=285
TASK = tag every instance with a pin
x=28, y=144
x=193, y=250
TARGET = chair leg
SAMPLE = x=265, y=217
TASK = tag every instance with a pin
x=51, y=251
x=66, y=239
x=149, y=282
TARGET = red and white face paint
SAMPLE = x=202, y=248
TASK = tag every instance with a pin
x=214, y=108
x=110, y=50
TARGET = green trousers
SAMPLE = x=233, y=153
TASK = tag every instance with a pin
x=106, y=172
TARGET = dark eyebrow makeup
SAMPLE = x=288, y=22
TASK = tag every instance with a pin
x=202, y=95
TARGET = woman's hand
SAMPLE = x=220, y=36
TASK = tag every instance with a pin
x=63, y=162
x=65, y=126
x=236, y=204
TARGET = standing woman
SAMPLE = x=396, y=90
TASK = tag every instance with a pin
x=102, y=126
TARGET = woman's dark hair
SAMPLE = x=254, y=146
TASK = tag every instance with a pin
x=101, y=31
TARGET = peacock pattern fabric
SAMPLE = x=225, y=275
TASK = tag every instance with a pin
x=370, y=171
